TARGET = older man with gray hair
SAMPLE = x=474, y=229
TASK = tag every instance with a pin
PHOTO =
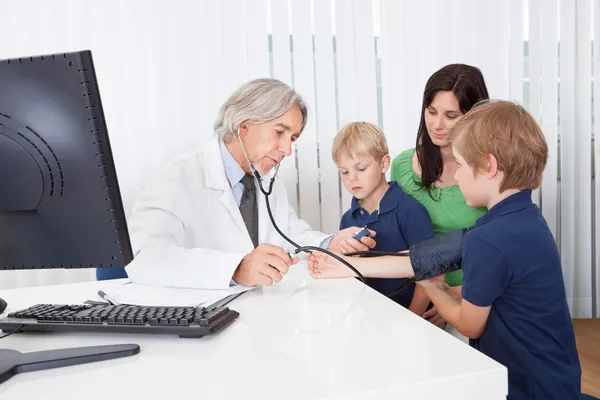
x=203, y=223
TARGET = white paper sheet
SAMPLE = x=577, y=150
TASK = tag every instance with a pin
x=143, y=295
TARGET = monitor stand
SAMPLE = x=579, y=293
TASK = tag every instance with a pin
x=13, y=362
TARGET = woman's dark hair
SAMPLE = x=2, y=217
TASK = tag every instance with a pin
x=468, y=85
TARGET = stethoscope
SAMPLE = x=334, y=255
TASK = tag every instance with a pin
x=310, y=249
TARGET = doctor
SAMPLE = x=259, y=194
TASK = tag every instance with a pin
x=203, y=222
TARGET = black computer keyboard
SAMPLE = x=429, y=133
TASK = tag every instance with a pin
x=187, y=322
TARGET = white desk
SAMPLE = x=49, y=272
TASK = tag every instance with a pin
x=300, y=339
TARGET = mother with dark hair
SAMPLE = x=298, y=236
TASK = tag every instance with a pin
x=426, y=172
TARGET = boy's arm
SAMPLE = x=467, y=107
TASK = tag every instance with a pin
x=378, y=267
x=426, y=259
x=468, y=319
x=456, y=291
x=486, y=275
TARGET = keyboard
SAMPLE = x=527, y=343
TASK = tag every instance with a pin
x=187, y=322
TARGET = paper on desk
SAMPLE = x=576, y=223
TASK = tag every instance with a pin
x=144, y=295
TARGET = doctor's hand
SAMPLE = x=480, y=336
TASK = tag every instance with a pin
x=344, y=242
x=265, y=265
x=322, y=266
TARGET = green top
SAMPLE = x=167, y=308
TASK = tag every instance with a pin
x=449, y=211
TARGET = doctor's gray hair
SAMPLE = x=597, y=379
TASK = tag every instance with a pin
x=257, y=101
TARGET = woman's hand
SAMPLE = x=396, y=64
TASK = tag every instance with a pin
x=432, y=315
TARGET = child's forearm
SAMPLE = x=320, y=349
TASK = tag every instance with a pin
x=383, y=267
x=432, y=257
x=456, y=291
x=419, y=302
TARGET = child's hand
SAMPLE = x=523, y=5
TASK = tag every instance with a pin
x=321, y=266
x=344, y=242
x=435, y=281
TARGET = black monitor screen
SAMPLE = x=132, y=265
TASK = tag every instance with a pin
x=60, y=205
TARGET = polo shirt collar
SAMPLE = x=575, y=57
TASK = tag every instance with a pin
x=509, y=205
x=387, y=203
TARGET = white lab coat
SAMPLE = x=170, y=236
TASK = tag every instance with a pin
x=187, y=231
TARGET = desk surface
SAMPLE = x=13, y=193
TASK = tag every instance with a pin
x=300, y=339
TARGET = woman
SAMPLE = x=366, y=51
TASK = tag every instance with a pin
x=426, y=172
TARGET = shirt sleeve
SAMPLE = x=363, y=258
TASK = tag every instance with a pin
x=415, y=224
x=486, y=272
x=325, y=243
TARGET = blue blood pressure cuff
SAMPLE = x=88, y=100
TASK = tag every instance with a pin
x=439, y=255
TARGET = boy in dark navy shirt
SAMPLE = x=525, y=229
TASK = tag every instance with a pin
x=361, y=155
x=514, y=306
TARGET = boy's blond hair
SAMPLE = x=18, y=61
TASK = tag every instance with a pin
x=507, y=131
x=360, y=138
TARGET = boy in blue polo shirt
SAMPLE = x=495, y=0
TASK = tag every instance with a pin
x=514, y=306
x=361, y=155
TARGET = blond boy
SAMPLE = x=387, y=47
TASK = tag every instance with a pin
x=361, y=154
x=514, y=306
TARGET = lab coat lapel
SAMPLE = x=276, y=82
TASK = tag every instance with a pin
x=215, y=178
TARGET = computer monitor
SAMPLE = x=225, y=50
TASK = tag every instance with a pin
x=60, y=204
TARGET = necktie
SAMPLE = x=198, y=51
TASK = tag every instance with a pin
x=249, y=208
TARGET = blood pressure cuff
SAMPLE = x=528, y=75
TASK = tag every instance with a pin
x=439, y=255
